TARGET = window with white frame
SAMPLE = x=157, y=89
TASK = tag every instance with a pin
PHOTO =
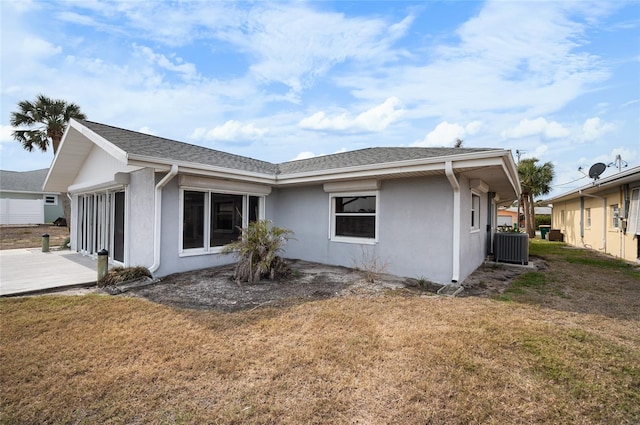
x=587, y=213
x=211, y=220
x=615, y=216
x=353, y=216
x=51, y=199
x=475, y=212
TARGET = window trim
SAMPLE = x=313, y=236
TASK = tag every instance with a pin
x=587, y=217
x=189, y=252
x=332, y=218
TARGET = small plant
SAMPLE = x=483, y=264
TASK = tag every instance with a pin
x=123, y=274
x=66, y=244
x=257, y=249
x=509, y=229
x=369, y=264
x=422, y=281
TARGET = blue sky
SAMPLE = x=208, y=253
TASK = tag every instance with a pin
x=556, y=80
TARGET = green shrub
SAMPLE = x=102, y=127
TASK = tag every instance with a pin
x=123, y=274
x=257, y=249
x=543, y=219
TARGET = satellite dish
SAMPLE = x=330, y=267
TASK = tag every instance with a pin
x=597, y=169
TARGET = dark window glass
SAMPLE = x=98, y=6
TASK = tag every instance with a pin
x=254, y=208
x=193, y=220
x=356, y=204
x=355, y=216
x=118, y=227
x=226, y=218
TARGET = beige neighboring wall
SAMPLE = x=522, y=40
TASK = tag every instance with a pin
x=586, y=216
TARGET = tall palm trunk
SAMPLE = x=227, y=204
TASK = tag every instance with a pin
x=528, y=207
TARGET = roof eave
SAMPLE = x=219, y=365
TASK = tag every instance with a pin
x=200, y=169
x=395, y=167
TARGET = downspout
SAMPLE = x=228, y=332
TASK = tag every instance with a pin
x=582, y=219
x=448, y=170
x=157, y=219
x=604, y=219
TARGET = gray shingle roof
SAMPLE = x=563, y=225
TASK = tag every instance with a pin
x=136, y=143
x=369, y=156
x=165, y=149
x=23, y=181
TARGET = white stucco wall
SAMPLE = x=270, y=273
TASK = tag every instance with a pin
x=100, y=167
x=415, y=232
x=140, y=217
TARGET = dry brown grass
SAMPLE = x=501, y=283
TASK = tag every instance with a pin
x=387, y=359
x=14, y=237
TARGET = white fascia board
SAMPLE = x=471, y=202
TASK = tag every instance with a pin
x=102, y=143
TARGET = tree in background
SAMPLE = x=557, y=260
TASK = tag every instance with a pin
x=41, y=124
x=535, y=181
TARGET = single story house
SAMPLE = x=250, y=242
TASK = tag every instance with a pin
x=172, y=206
x=604, y=215
x=22, y=200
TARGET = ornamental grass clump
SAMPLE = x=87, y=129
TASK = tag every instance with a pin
x=119, y=275
x=257, y=249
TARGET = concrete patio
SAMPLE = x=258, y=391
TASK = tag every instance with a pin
x=31, y=270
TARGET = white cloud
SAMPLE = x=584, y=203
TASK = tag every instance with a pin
x=187, y=70
x=538, y=126
x=594, y=128
x=304, y=155
x=147, y=130
x=33, y=46
x=231, y=130
x=295, y=45
x=6, y=132
x=309, y=154
x=446, y=134
x=375, y=119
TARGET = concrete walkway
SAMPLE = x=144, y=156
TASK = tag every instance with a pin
x=28, y=270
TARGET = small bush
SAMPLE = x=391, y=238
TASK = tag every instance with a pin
x=66, y=244
x=123, y=274
x=257, y=249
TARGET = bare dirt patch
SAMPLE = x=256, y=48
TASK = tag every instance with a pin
x=16, y=237
x=216, y=289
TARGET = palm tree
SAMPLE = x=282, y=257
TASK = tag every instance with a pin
x=535, y=181
x=41, y=124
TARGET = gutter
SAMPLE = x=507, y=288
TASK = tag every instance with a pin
x=604, y=218
x=157, y=218
x=448, y=170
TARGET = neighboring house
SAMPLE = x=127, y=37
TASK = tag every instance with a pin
x=23, y=201
x=171, y=206
x=507, y=216
x=604, y=215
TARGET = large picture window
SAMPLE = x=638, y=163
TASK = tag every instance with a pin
x=211, y=220
x=354, y=216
